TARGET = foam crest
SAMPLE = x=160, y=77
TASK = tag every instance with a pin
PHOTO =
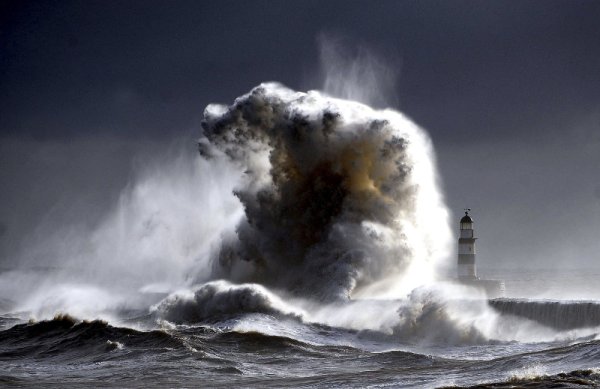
x=450, y=314
x=220, y=299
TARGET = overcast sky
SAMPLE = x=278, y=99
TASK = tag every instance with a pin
x=508, y=90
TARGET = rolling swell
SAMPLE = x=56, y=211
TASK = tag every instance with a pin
x=561, y=315
x=228, y=357
x=573, y=379
x=269, y=344
x=66, y=338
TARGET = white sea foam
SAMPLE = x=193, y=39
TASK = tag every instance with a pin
x=219, y=299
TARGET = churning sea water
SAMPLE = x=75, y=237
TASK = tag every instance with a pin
x=303, y=248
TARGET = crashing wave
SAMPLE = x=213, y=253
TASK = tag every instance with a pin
x=218, y=299
x=337, y=196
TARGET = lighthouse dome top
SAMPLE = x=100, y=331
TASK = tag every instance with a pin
x=466, y=219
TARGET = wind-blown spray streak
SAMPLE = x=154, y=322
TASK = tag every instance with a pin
x=158, y=237
x=337, y=196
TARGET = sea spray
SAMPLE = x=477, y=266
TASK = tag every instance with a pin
x=337, y=196
x=334, y=200
x=341, y=201
x=157, y=238
x=357, y=73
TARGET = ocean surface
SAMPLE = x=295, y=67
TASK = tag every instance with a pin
x=253, y=349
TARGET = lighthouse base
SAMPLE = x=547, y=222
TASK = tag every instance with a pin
x=492, y=288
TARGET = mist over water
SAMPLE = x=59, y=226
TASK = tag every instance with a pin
x=302, y=201
x=315, y=197
x=308, y=222
x=158, y=237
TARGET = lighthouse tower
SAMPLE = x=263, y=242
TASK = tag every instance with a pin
x=466, y=249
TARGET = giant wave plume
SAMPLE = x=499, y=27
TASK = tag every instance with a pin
x=339, y=199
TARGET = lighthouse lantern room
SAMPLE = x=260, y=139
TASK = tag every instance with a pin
x=466, y=248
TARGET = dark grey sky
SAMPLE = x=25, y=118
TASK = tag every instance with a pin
x=508, y=90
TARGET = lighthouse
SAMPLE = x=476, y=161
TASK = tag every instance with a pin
x=467, y=273
x=466, y=249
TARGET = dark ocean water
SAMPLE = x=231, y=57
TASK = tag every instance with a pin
x=260, y=350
